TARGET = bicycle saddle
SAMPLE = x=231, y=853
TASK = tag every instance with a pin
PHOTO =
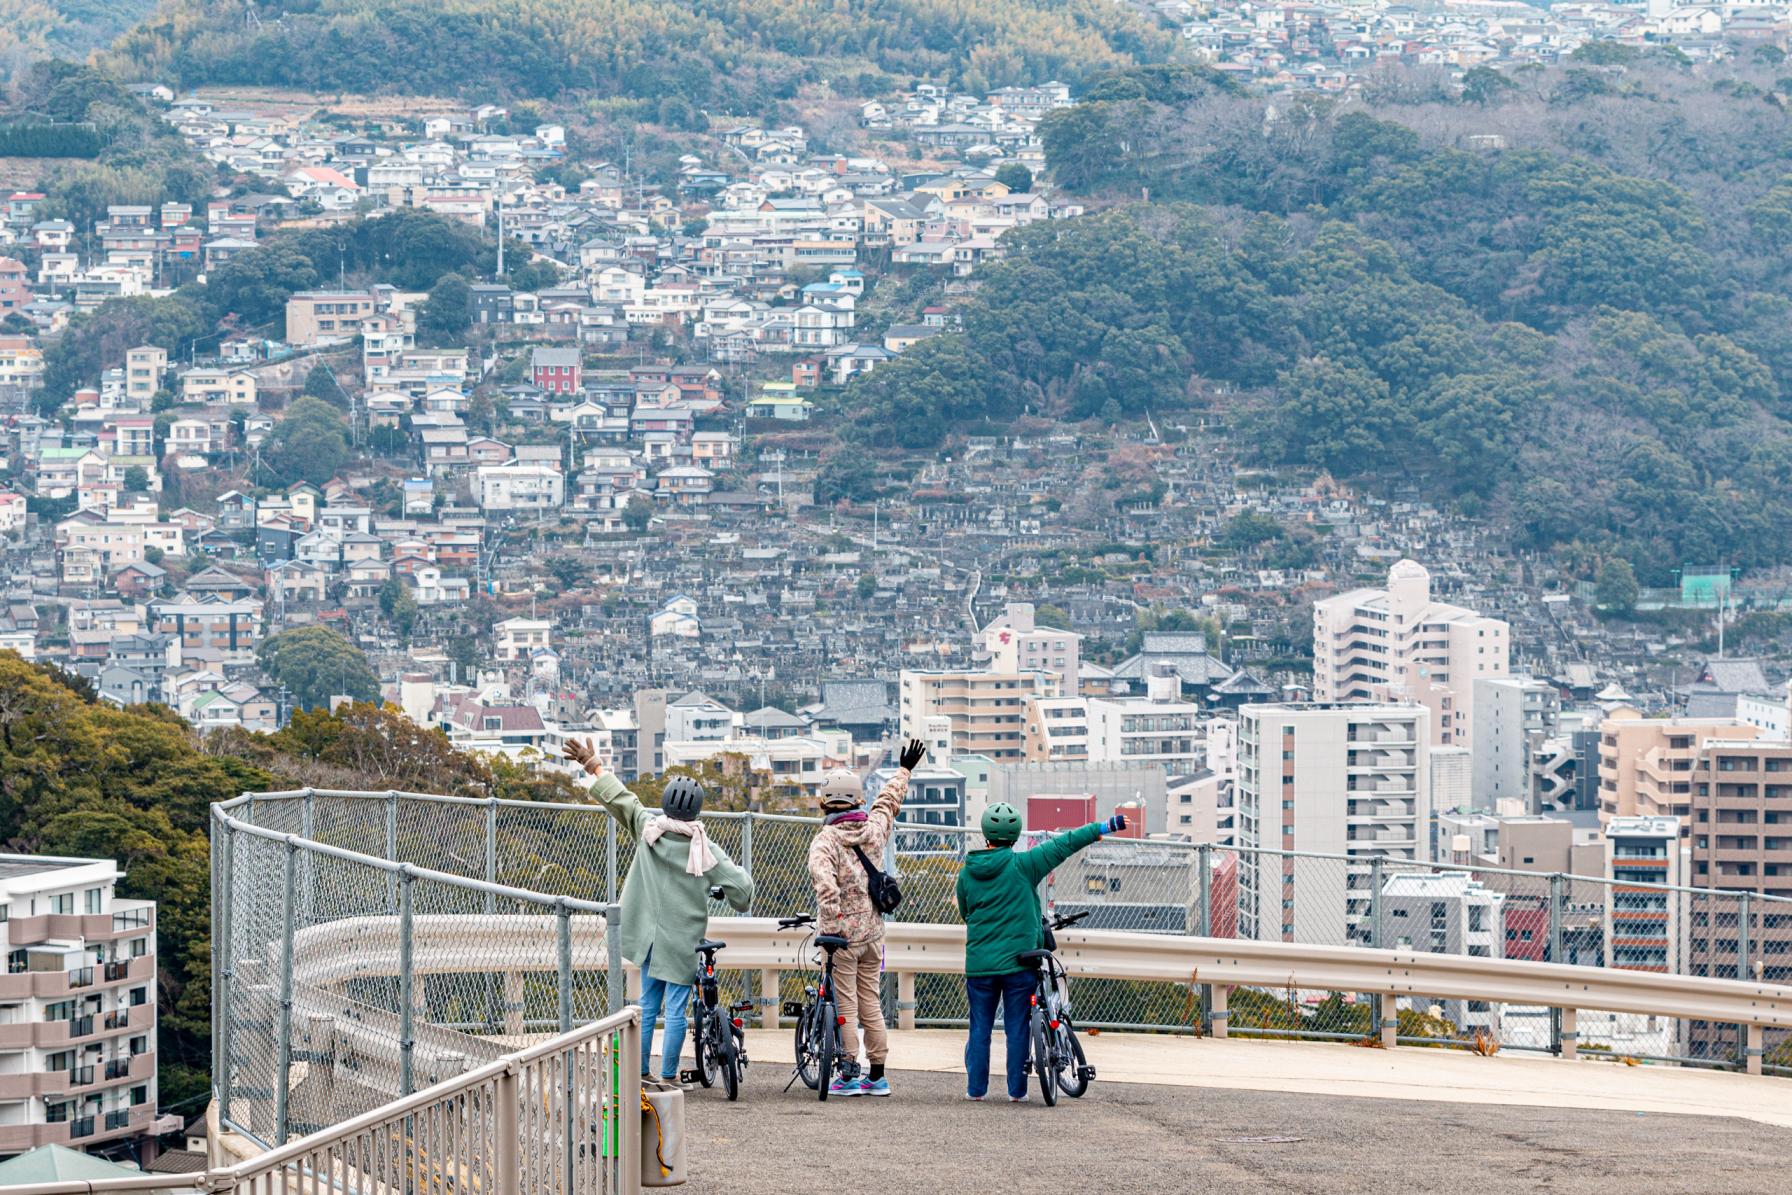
x=708, y=946
x=831, y=942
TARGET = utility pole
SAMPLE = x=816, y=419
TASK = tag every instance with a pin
x=500, y=274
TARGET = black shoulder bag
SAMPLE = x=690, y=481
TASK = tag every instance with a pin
x=885, y=892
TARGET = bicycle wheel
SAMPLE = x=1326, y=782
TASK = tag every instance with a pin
x=1043, y=1067
x=1073, y=1079
x=730, y=1063
x=707, y=1036
x=808, y=1046
x=827, y=1047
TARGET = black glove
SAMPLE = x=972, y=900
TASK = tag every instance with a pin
x=715, y=892
x=914, y=753
x=1117, y=822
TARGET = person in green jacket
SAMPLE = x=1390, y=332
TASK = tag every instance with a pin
x=675, y=871
x=998, y=896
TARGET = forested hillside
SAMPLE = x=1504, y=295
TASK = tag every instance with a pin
x=81, y=778
x=1581, y=330
x=739, y=55
x=32, y=30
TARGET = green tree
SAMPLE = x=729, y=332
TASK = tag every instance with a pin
x=1615, y=592
x=566, y=571
x=638, y=513
x=448, y=312
x=399, y=605
x=310, y=444
x=316, y=663
x=136, y=479
x=1016, y=177
x=321, y=383
x=866, y=586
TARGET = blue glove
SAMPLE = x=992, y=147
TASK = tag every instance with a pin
x=1117, y=822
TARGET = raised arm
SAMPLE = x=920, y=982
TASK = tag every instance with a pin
x=608, y=791
x=1039, y=862
x=882, y=814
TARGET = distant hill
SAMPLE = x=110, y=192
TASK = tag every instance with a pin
x=32, y=30
x=739, y=54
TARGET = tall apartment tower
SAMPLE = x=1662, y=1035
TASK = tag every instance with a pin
x=1646, y=764
x=1398, y=644
x=1341, y=779
x=1642, y=926
x=986, y=710
x=77, y=1006
x=1513, y=717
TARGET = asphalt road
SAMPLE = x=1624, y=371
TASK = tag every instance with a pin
x=1135, y=1137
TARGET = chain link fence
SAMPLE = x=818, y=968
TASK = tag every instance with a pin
x=353, y=968
x=1147, y=886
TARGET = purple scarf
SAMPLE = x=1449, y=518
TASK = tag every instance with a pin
x=850, y=815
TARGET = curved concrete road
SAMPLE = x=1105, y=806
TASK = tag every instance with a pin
x=1137, y=1137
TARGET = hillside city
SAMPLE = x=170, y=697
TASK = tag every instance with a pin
x=424, y=415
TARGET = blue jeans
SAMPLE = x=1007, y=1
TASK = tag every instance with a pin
x=675, y=997
x=1014, y=992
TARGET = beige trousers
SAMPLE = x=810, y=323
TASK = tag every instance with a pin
x=857, y=970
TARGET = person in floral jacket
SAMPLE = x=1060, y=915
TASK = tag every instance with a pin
x=843, y=907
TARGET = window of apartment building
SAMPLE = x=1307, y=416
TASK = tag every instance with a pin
x=60, y=1010
x=139, y=996
x=93, y=898
x=140, y=1095
x=62, y=902
x=61, y=1060
x=139, y=947
x=5, y=913
x=139, y=1045
x=56, y=1113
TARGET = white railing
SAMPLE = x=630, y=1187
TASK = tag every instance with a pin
x=561, y=1116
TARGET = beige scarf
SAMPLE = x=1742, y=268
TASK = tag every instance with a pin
x=701, y=858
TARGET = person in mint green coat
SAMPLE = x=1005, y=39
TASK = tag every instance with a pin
x=998, y=896
x=665, y=908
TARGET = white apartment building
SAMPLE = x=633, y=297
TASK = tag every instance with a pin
x=697, y=718
x=517, y=639
x=1643, y=927
x=1513, y=716
x=520, y=485
x=1337, y=779
x=1446, y=912
x=1398, y=644
x=1014, y=642
x=77, y=1006
x=1158, y=728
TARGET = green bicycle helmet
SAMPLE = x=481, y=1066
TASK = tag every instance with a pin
x=1001, y=824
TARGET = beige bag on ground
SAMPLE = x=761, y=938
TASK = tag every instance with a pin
x=662, y=1135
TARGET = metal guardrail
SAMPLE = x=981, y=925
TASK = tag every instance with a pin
x=562, y=1115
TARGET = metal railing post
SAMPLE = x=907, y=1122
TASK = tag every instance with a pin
x=614, y=980
x=507, y=1132
x=391, y=849
x=223, y=950
x=283, y=1071
x=1204, y=922
x=308, y=831
x=491, y=903
x=610, y=859
x=746, y=849
x=564, y=953
x=407, y=983
x=1557, y=899
x=1376, y=866
x=1742, y=936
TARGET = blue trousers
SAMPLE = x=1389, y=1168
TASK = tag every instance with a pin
x=1014, y=993
x=675, y=997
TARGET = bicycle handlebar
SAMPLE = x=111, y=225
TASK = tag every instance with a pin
x=1072, y=919
x=796, y=922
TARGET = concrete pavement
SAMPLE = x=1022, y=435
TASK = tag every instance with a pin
x=1178, y=1115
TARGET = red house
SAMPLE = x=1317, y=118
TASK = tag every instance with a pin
x=556, y=370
